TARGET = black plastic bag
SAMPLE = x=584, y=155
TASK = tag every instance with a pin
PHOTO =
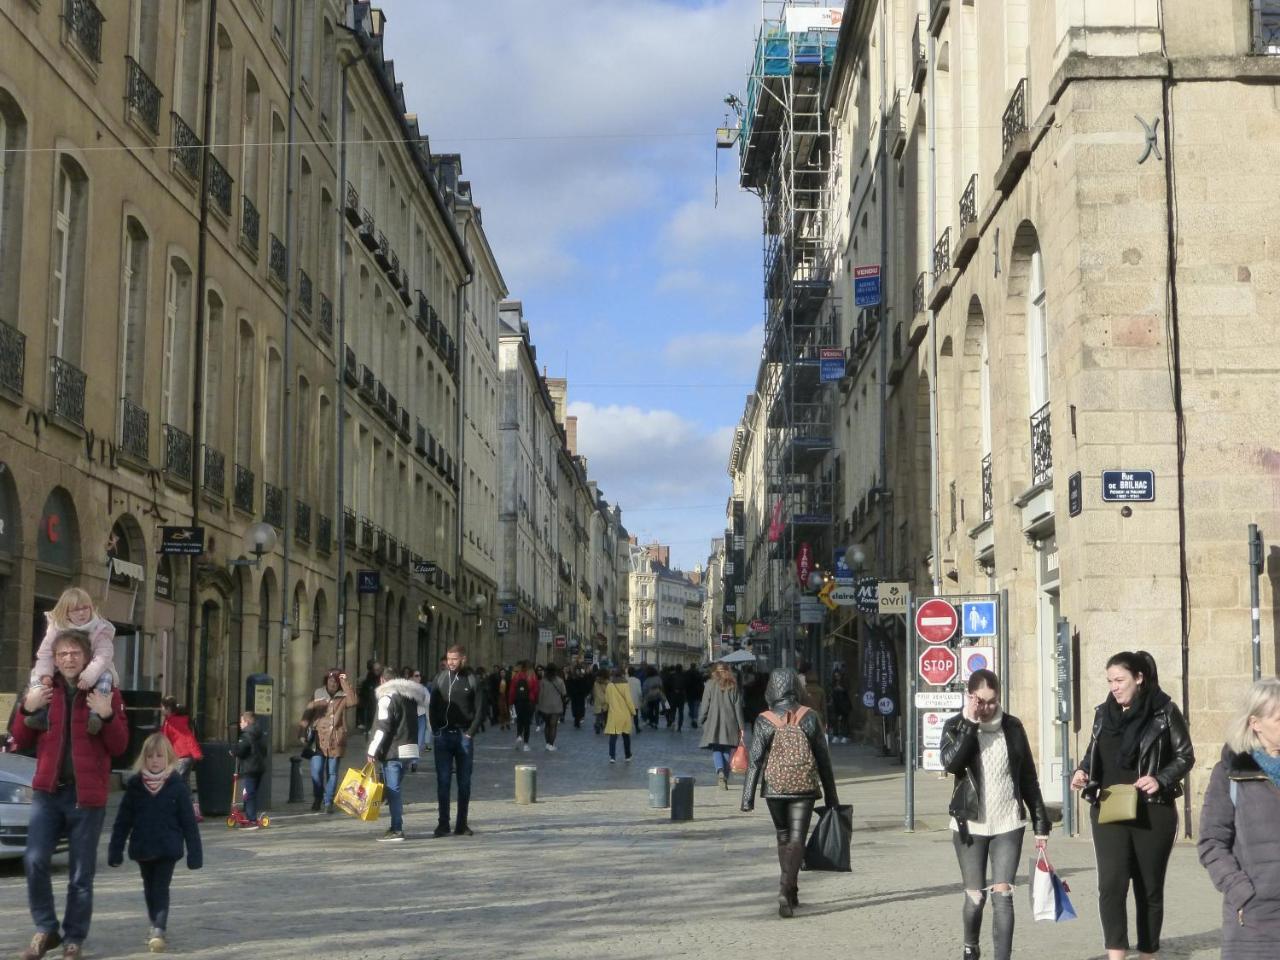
x=828, y=846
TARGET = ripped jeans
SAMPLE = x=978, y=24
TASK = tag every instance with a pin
x=1001, y=852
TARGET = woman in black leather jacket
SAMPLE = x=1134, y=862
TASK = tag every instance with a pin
x=791, y=808
x=987, y=751
x=1139, y=738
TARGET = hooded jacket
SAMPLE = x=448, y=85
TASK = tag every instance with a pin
x=395, y=722
x=1164, y=751
x=1240, y=848
x=785, y=694
x=962, y=758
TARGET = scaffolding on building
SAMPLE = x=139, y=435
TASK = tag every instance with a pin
x=786, y=157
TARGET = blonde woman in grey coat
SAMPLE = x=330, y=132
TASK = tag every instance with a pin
x=721, y=720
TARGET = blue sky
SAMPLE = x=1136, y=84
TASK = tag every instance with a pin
x=588, y=137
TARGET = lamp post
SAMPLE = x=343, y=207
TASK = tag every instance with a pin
x=260, y=538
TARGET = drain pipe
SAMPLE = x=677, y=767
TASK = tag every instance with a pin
x=935, y=533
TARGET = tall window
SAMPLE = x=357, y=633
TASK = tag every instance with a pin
x=272, y=461
x=1037, y=335
x=306, y=198
x=328, y=67
x=246, y=384
x=275, y=210
x=325, y=253
x=133, y=311
x=307, y=45
x=302, y=439
x=186, y=84
x=249, y=135
x=176, y=390
x=222, y=74
x=13, y=137
x=280, y=21
x=984, y=385
x=146, y=32
x=212, y=371
x=69, y=242
x=324, y=451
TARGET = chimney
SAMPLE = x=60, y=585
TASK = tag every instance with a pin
x=571, y=434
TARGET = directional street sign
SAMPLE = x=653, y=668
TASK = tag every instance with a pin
x=938, y=666
x=936, y=620
x=825, y=595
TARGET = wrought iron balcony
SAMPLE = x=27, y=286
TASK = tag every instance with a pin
x=324, y=532
x=13, y=358
x=215, y=472
x=969, y=203
x=349, y=527
x=987, y=503
x=84, y=20
x=381, y=395
x=67, y=393
x=177, y=452
x=368, y=230
x=1015, y=117
x=242, y=495
x=219, y=186
x=423, y=317
x=304, y=293
x=366, y=533
x=351, y=206
x=1266, y=27
x=326, y=317
x=920, y=54
x=350, y=372
x=249, y=223
x=135, y=430
x=186, y=147
x=142, y=94
x=942, y=255
x=302, y=521
x=276, y=260
x=273, y=505
x=1041, y=448
x=380, y=544
x=917, y=294
x=368, y=384
x=382, y=251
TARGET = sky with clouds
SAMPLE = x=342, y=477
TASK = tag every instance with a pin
x=587, y=130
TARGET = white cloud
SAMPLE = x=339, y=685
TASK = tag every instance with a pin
x=701, y=226
x=732, y=354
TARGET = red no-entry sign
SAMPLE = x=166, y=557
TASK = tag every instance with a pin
x=936, y=620
x=938, y=666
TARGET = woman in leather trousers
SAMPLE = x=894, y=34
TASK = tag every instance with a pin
x=1139, y=738
x=791, y=810
x=988, y=753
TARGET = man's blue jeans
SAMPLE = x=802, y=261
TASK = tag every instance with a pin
x=392, y=774
x=54, y=815
x=453, y=749
x=324, y=777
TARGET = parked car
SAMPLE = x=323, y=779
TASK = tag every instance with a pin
x=16, y=773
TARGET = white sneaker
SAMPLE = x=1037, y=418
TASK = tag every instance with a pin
x=524, y=747
x=551, y=748
x=519, y=743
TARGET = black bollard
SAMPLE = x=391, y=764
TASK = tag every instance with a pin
x=682, y=798
x=295, y=780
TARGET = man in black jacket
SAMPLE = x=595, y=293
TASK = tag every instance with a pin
x=393, y=740
x=456, y=712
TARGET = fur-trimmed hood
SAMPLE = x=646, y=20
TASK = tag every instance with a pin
x=405, y=688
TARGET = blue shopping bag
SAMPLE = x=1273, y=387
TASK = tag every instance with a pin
x=1062, y=908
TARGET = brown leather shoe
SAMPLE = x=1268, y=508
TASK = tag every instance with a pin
x=71, y=951
x=41, y=944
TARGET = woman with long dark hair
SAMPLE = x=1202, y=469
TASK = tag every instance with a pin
x=1140, y=746
x=996, y=788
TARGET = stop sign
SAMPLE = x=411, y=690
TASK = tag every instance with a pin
x=938, y=666
x=936, y=620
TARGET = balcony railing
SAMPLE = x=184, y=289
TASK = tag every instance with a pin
x=350, y=371
x=276, y=260
x=304, y=293
x=219, y=186
x=84, y=20
x=302, y=521
x=67, y=395
x=1041, y=448
x=368, y=230
x=1015, y=117
x=366, y=533
x=917, y=294
x=215, y=472
x=326, y=317
x=249, y=223
x=186, y=147
x=969, y=203
x=920, y=53
x=143, y=95
x=242, y=495
x=273, y=505
x=351, y=206
x=13, y=358
x=348, y=527
x=942, y=255
x=987, y=504
x=1266, y=27
x=324, y=532
x=177, y=452
x=135, y=430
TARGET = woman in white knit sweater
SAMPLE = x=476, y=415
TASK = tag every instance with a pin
x=987, y=751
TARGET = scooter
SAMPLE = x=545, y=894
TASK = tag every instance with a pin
x=237, y=817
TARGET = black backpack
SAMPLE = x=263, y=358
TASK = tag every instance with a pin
x=522, y=691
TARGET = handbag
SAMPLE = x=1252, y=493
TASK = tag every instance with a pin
x=739, y=762
x=1118, y=803
x=310, y=744
x=828, y=846
x=360, y=794
x=1049, y=900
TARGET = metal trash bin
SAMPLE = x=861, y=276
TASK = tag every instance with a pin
x=682, y=798
x=526, y=783
x=213, y=777
x=659, y=787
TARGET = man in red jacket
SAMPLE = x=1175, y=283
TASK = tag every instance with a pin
x=73, y=770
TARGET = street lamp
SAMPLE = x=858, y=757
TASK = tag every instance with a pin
x=260, y=538
x=855, y=555
x=477, y=603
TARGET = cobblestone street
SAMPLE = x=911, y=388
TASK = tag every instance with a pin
x=591, y=871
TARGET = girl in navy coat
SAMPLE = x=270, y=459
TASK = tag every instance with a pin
x=157, y=818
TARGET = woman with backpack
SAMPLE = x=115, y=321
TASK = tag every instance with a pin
x=789, y=749
x=522, y=694
x=551, y=699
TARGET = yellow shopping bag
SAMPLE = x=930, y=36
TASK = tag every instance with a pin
x=360, y=794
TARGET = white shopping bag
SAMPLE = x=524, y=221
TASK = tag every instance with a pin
x=1043, y=905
